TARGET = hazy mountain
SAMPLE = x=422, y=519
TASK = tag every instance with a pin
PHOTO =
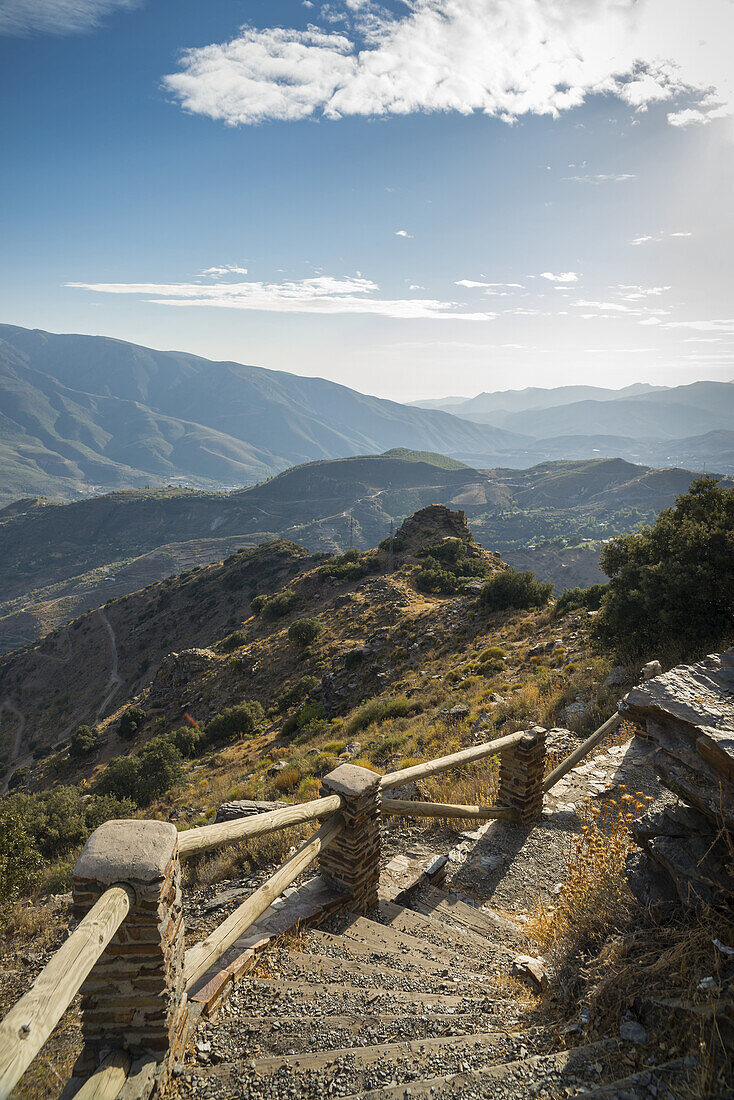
x=493, y=408
x=671, y=414
x=80, y=411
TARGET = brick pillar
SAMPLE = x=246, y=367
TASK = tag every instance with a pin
x=134, y=997
x=352, y=861
x=522, y=770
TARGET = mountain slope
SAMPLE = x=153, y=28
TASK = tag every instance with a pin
x=494, y=408
x=81, y=410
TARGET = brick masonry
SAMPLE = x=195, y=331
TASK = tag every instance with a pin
x=134, y=997
x=351, y=862
x=522, y=770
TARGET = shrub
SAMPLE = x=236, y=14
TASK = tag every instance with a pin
x=671, y=590
x=278, y=606
x=304, y=631
x=238, y=721
x=130, y=723
x=286, y=780
x=295, y=693
x=120, y=778
x=235, y=640
x=352, y=566
x=82, y=743
x=513, y=590
x=160, y=769
x=378, y=710
x=188, y=740
x=573, y=599
x=20, y=860
x=306, y=713
x=257, y=604
x=447, y=566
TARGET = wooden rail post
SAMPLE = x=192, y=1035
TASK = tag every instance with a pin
x=352, y=861
x=134, y=997
x=521, y=776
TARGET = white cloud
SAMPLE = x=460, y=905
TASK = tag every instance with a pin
x=220, y=272
x=416, y=286
x=403, y=233
x=601, y=177
x=322, y=294
x=471, y=283
x=718, y=325
x=562, y=277
x=504, y=57
x=657, y=237
x=21, y=17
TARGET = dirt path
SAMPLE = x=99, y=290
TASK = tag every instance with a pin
x=15, y=761
x=115, y=681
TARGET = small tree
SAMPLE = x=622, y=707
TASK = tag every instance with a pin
x=512, y=590
x=304, y=631
x=83, y=741
x=130, y=723
x=241, y=721
x=120, y=777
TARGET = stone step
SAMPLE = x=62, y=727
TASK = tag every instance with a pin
x=435, y=930
x=380, y=954
x=338, y=998
x=290, y=1034
x=447, y=908
x=357, y=1069
x=391, y=938
x=376, y=975
x=521, y=1079
x=670, y=1076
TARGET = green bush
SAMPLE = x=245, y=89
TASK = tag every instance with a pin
x=295, y=693
x=378, y=710
x=447, y=567
x=83, y=742
x=235, y=640
x=20, y=860
x=671, y=592
x=352, y=566
x=120, y=778
x=130, y=723
x=304, y=631
x=241, y=720
x=161, y=768
x=574, y=599
x=513, y=590
x=188, y=740
x=308, y=712
x=280, y=605
x=257, y=604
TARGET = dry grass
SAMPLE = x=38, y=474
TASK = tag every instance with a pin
x=239, y=860
x=595, y=900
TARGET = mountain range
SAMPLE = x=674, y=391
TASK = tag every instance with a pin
x=81, y=414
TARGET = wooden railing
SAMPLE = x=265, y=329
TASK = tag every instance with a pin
x=129, y=875
x=30, y=1022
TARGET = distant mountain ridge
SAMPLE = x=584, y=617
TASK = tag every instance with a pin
x=85, y=411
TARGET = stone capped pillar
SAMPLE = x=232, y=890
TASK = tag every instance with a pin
x=134, y=997
x=522, y=770
x=352, y=861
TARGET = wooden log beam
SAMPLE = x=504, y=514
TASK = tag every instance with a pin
x=30, y=1022
x=199, y=958
x=193, y=841
x=107, y=1079
x=403, y=808
x=444, y=763
x=583, y=750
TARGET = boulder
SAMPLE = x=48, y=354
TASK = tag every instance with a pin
x=244, y=807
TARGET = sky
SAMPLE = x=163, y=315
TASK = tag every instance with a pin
x=415, y=199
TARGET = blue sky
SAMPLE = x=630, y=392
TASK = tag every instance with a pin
x=418, y=199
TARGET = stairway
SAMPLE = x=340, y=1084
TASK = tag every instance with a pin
x=416, y=999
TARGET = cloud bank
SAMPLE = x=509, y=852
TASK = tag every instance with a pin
x=323, y=294
x=506, y=58
x=21, y=17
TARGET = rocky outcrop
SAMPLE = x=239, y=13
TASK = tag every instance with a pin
x=175, y=672
x=689, y=714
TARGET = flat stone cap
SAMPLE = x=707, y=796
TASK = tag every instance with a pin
x=350, y=780
x=128, y=851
